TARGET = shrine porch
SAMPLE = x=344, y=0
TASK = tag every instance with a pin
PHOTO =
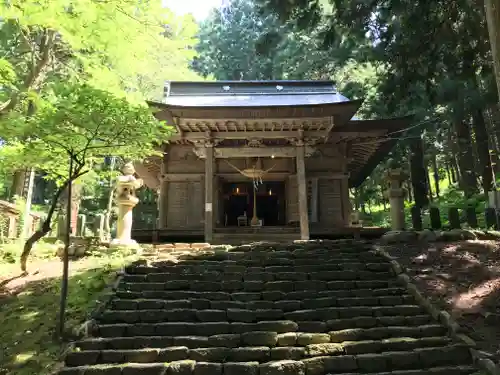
x=238, y=235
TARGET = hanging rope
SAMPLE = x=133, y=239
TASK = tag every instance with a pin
x=252, y=173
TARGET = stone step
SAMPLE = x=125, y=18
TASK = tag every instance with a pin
x=231, y=368
x=284, y=305
x=303, y=309
x=219, y=262
x=251, y=316
x=443, y=370
x=258, y=276
x=203, y=283
x=259, y=357
x=281, y=265
x=380, y=289
x=241, y=353
x=282, y=340
x=192, y=329
x=271, y=287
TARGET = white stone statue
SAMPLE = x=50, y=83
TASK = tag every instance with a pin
x=126, y=199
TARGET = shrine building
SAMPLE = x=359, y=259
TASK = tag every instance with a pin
x=262, y=159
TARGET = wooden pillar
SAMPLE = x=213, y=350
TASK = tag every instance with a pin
x=346, y=202
x=314, y=199
x=216, y=207
x=162, y=204
x=301, y=179
x=209, y=191
x=163, y=194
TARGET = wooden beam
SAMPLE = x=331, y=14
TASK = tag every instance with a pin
x=277, y=134
x=181, y=176
x=271, y=176
x=253, y=152
x=193, y=136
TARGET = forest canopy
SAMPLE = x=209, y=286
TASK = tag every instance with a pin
x=440, y=72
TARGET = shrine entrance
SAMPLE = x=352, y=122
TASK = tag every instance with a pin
x=238, y=203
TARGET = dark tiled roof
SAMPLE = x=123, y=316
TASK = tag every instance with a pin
x=251, y=93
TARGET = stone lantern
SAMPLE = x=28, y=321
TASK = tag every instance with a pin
x=396, y=194
x=126, y=199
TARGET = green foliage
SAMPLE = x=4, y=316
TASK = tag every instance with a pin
x=440, y=72
x=27, y=344
x=119, y=45
x=241, y=42
x=82, y=123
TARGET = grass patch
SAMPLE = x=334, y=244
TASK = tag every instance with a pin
x=450, y=197
x=29, y=318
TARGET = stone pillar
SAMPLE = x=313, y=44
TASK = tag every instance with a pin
x=124, y=224
x=209, y=191
x=301, y=179
x=126, y=201
x=396, y=195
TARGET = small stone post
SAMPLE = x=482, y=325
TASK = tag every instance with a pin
x=126, y=200
x=396, y=194
x=99, y=227
x=61, y=226
x=80, y=228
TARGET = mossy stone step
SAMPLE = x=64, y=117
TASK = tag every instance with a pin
x=446, y=370
x=301, y=309
x=192, y=329
x=283, y=305
x=362, y=271
x=208, y=368
x=378, y=288
x=282, y=340
x=338, y=362
x=190, y=288
x=375, y=263
x=252, y=316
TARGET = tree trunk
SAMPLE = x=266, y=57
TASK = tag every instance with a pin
x=429, y=187
x=410, y=191
x=18, y=183
x=435, y=173
x=492, y=139
x=492, y=10
x=465, y=158
x=418, y=178
x=483, y=149
x=448, y=174
x=455, y=173
x=46, y=226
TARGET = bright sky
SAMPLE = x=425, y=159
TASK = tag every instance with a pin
x=199, y=8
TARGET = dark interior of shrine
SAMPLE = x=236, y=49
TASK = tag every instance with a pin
x=239, y=202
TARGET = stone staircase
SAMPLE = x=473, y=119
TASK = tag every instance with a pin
x=297, y=309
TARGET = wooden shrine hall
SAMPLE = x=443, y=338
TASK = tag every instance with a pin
x=258, y=160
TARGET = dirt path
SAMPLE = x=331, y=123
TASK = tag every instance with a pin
x=463, y=278
x=12, y=281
